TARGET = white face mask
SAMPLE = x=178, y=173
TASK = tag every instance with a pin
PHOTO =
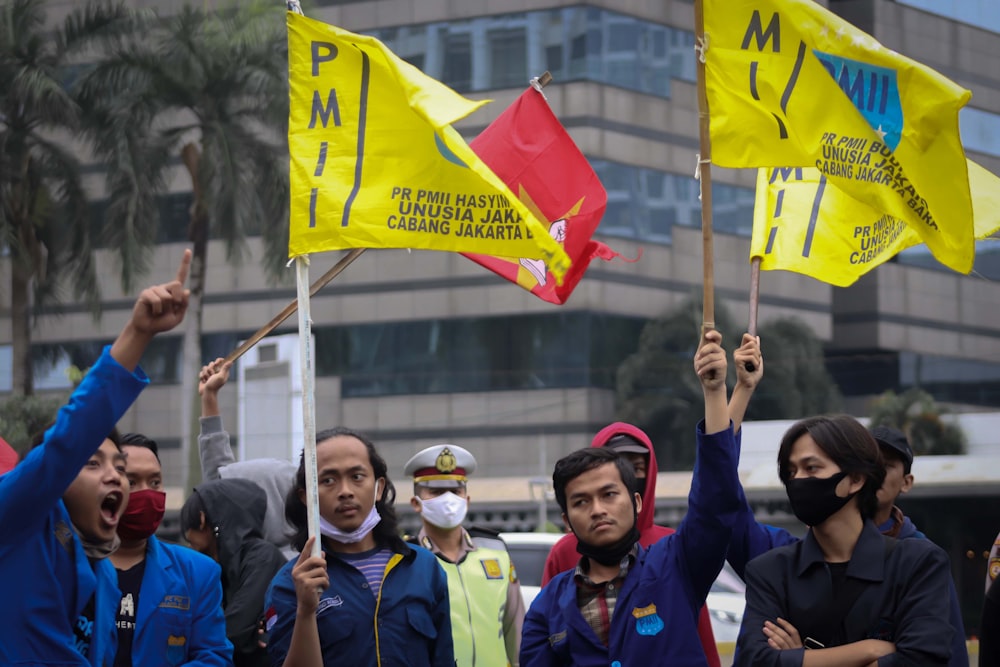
x=446, y=511
x=329, y=530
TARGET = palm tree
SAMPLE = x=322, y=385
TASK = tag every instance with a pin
x=210, y=89
x=916, y=414
x=45, y=223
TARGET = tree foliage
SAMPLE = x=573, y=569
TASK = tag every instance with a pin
x=45, y=224
x=209, y=88
x=658, y=391
x=21, y=417
x=915, y=413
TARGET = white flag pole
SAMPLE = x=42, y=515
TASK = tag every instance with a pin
x=308, y=384
x=308, y=400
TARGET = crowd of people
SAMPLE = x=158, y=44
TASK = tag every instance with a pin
x=90, y=583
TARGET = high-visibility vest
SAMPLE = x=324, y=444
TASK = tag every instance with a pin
x=477, y=589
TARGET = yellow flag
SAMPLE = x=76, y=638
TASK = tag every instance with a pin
x=791, y=84
x=804, y=223
x=375, y=162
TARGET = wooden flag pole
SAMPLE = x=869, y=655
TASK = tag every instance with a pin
x=704, y=174
x=754, y=297
x=320, y=283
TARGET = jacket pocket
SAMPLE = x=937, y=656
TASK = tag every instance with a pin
x=336, y=632
x=420, y=622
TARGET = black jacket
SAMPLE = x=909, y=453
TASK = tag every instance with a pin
x=989, y=642
x=904, y=598
x=235, y=509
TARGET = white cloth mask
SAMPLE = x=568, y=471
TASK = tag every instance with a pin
x=446, y=511
x=359, y=533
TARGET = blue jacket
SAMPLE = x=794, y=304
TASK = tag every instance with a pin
x=751, y=539
x=903, y=600
x=655, y=621
x=46, y=575
x=179, y=620
x=411, y=613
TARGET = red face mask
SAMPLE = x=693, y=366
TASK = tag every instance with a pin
x=143, y=515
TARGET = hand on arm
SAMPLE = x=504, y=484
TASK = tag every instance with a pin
x=158, y=309
x=212, y=378
x=864, y=653
x=746, y=381
x=710, y=365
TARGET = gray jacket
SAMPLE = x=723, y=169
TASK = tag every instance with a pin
x=275, y=476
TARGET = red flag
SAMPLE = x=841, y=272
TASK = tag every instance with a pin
x=531, y=151
x=8, y=457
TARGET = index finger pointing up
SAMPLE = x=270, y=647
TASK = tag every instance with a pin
x=182, y=270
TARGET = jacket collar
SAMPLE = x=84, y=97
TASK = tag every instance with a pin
x=867, y=560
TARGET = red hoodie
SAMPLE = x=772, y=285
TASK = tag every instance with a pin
x=564, y=555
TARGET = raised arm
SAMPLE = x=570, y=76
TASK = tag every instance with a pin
x=713, y=501
x=29, y=491
x=746, y=381
x=750, y=538
x=213, y=440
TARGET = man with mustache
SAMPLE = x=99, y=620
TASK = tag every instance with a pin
x=60, y=507
x=171, y=596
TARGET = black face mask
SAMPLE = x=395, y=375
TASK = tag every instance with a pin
x=815, y=499
x=611, y=554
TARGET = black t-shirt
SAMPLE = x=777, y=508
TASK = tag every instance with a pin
x=129, y=582
x=84, y=628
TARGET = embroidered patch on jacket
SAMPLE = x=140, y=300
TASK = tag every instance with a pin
x=63, y=534
x=176, y=649
x=270, y=618
x=328, y=603
x=513, y=573
x=557, y=638
x=491, y=566
x=994, y=568
x=647, y=621
x=176, y=602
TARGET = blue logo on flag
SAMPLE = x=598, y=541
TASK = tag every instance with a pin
x=873, y=90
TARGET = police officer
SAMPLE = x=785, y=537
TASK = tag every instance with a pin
x=487, y=610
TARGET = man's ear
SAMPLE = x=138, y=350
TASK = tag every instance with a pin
x=638, y=503
x=857, y=483
x=565, y=520
x=415, y=504
x=204, y=524
x=907, y=483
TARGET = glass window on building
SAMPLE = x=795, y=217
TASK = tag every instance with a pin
x=457, y=69
x=508, y=57
x=645, y=204
x=554, y=350
x=980, y=131
x=6, y=368
x=980, y=13
x=573, y=43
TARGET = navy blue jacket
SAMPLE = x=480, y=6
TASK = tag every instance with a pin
x=412, y=614
x=904, y=601
x=751, y=539
x=656, y=613
x=47, y=578
x=179, y=620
